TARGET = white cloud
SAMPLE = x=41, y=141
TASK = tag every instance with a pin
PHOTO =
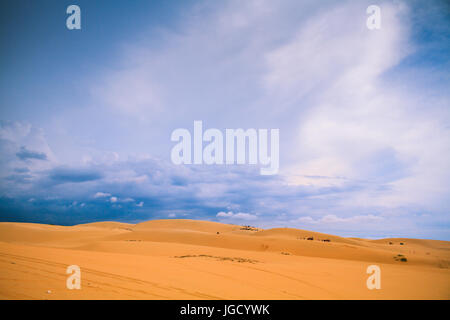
x=19, y=137
x=130, y=91
x=113, y=199
x=358, y=124
x=333, y=219
x=225, y=214
x=239, y=215
x=102, y=195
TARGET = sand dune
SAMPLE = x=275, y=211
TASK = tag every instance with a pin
x=188, y=259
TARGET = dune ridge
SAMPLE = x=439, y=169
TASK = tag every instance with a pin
x=191, y=259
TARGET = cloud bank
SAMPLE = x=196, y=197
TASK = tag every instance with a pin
x=363, y=118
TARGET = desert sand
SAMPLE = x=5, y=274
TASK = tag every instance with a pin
x=188, y=259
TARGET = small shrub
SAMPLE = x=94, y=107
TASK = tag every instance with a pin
x=400, y=257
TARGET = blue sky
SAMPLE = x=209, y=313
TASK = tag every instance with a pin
x=86, y=115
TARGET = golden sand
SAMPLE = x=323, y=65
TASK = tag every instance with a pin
x=188, y=259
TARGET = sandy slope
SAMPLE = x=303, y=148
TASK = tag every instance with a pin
x=187, y=259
